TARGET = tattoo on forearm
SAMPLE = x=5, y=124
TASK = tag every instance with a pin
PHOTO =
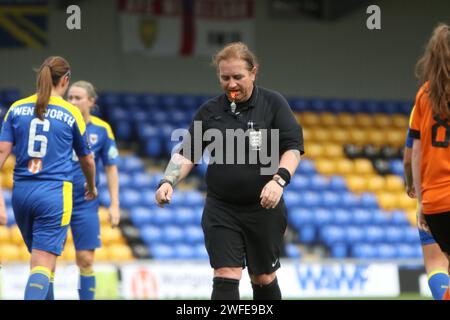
x=173, y=172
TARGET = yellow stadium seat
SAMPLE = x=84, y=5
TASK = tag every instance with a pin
x=110, y=235
x=102, y=254
x=320, y=135
x=405, y=202
x=9, y=252
x=120, y=253
x=382, y=120
x=411, y=214
x=328, y=119
x=344, y=167
x=7, y=180
x=69, y=238
x=309, y=119
x=16, y=236
x=332, y=150
x=69, y=253
x=377, y=136
x=358, y=136
x=396, y=138
x=375, y=183
x=314, y=150
x=400, y=121
x=307, y=134
x=8, y=166
x=325, y=166
x=339, y=135
x=364, y=120
x=363, y=167
x=346, y=120
x=394, y=184
x=387, y=200
x=356, y=183
x=24, y=255
x=4, y=235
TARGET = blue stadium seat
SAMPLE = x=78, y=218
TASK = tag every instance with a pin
x=299, y=217
x=337, y=183
x=306, y=168
x=342, y=217
x=124, y=131
x=162, y=216
x=156, y=177
x=394, y=234
x=139, y=117
x=354, y=234
x=411, y=235
x=194, y=198
x=363, y=251
x=110, y=98
x=168, y=101
x=336, y=106
x=381, y=217
x=7, y=196
x=374, y=234
x=396, y=167
x=390, y=107
x=406, y=107
x=188, y=102
x=130, y=99
x=291, y=199
x=153, y=148
x=102, y=181
x=406, y=251
x=299, y=104
x=318, y=105
x=183, y=251
x=368, y=200
x=299, y=183
x=172, y=234
x=11, y=217
x=307, y=234
x=151, y=234
x=184, y=216
x=140, y=216
x=399, y=218
x=386, y=251
x=330, y=199
x=292, y=251
x=162, y=251
x=131, y=164
x=141, y=180
x=371, y=106
x=125, y=180
x=104, y=197
x=193, y=234
x=200, y=252
x=8, y=96
x=318, y=182
x=149, y=101
x=129, y=198
x=348, y=200
x=339, y=251
x=332, y=234
x=311, y=199
x=148, y=131
x=362, y=217
x=323, y=217
x=353, y=106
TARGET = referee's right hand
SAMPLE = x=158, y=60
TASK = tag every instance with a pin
x=164, y=194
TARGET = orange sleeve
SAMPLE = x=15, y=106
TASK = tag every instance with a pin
x=416, y=116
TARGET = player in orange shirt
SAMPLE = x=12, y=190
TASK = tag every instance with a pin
x=430, y=128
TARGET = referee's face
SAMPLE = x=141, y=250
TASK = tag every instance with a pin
x=235, y=77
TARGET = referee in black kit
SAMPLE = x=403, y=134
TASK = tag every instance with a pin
x=244, y=218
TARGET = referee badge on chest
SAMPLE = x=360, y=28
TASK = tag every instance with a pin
x=93, y=138
x=255, y=136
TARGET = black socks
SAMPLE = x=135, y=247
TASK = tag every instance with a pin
x=269, y=291
x=225, y=289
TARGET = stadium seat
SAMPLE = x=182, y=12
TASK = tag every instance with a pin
x=306, y=167
x=299, y=183
x=330, y=199
x=9, y=252
x=129, y=198
x=382, y=120
x=381, y=217
x=151, y=234
x=120, y=252
x=362, y=217
x=183, y=216
x=183, y=251
x=344, y=167
x=16, y=236
x=162, y=251
x=346, y=120
x=394, y=234
x=291, y=198
x=193, y=234
x=363, y=167
x=337, y=183
x=338, y=251
x=292, y=251
x=354, y=234
x=364, y=120
x=411, y=235
x=386, y=251
x=194, y=198
x=406, y=251
x=348, y=200
x=110, y=236
x=172, y=234
x=4, y=235
x=325, y=166
x=368, y=200
x=311, y=199
x=342, y=217
x=332, y=234
x=374, y=234
x=307, y=234
x=356, y=183
x=363, y=251
x=309, y=119
x=318, y=183
x=399, y=218
x=162, y=216
x=299, y=217
x=200, y=252
x=323, y=217
x=328, y=119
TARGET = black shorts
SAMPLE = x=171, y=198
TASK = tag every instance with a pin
x=240, y=235
x=439, y=225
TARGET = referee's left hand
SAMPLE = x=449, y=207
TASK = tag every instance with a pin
x=271, y=195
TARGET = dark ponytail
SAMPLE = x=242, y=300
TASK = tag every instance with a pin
x=49, y=75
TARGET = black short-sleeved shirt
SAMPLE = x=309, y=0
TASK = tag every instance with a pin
x=230, y=181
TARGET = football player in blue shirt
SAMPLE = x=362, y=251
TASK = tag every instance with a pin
x=42, y=130
x=85, y=222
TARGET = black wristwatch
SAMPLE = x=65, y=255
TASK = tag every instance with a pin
x=162, y=181
x=281, y=182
